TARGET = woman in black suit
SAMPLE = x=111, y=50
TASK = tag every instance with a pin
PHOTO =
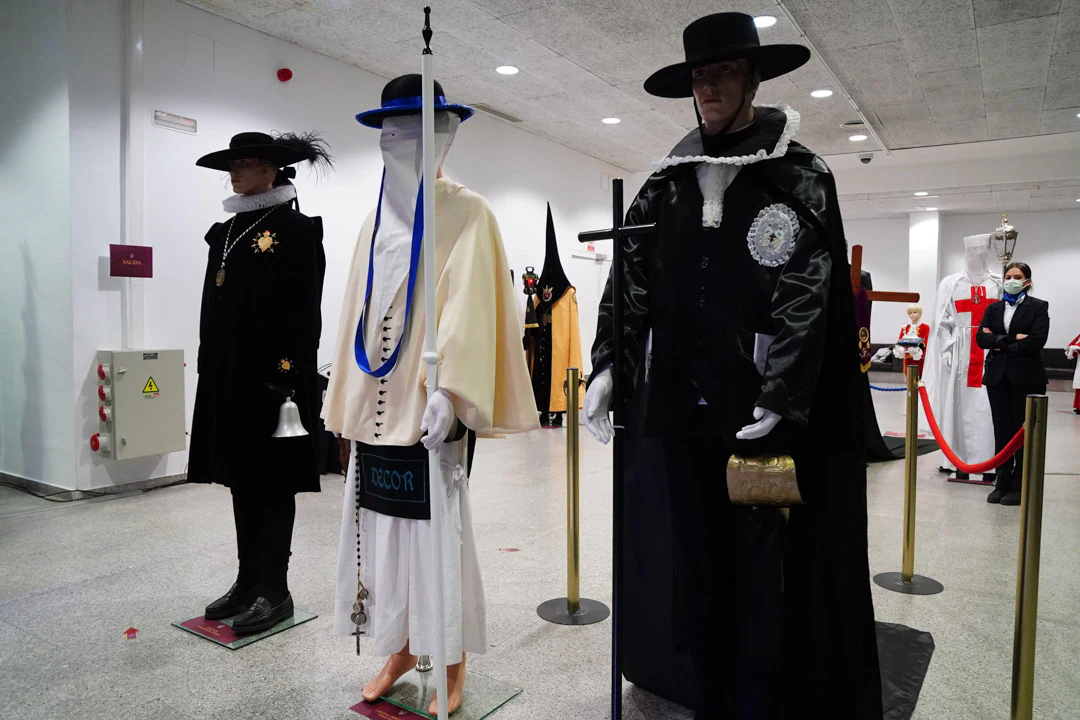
x=1013, y=331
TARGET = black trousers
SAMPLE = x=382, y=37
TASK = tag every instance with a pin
x=729, y=604
x=1008, y=405
x=264, y=527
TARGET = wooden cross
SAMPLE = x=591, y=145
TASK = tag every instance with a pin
x=872, y=295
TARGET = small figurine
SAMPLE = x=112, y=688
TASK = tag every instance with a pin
x=911, y=347
x=1072, y=351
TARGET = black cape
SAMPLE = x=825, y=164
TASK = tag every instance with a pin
x=704, y=296
x=258, y=340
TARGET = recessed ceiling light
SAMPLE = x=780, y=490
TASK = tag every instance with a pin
x=857, y=138
x=764, y=21
x=821, y=93
x=611, y=121
x=507, y=70
x=921, y=193
x=931, y=209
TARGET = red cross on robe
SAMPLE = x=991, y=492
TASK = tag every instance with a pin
x=976, y=305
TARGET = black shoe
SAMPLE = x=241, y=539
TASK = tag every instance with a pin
x=989, y=477
x=261, y=615
x=995, y=497
x=1011, y=498
x=231, y=603
x=962, y=475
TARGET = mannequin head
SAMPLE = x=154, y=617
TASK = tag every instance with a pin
x=977, y=257
x=914, y=313
x=719, y=91
x=252, y=176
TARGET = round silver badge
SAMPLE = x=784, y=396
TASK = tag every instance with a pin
x=772, y=235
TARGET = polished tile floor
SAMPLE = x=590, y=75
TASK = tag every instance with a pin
x=74, y=576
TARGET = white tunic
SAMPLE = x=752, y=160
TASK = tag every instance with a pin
x=396, y=568
x=957, y=397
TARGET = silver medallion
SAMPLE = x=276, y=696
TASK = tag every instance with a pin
x=772, y=235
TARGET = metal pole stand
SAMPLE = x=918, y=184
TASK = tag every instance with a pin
x=423, y=664
x=573, y=609
x=907, y=582
x=1027, y=575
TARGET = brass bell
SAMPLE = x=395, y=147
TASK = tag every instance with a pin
x=289, y=424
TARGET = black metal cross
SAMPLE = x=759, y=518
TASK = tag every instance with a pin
x=618, y=233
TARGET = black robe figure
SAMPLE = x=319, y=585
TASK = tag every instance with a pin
x=258, y=338
x=553, y=336
x=745, y=293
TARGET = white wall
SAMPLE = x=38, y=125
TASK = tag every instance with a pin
x=885, y=256
x=223, y=75
x=35, y=288
x=1048, y=241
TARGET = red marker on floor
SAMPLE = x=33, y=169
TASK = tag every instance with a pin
x=131, y=633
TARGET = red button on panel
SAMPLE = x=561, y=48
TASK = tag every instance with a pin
x=95, y=442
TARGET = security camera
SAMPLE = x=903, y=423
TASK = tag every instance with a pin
x=865, y=158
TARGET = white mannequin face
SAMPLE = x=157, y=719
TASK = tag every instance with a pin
x=977, y=261
x=915, y=315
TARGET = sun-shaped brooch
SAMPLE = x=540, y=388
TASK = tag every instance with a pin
x=264, y=242
x=285, y=365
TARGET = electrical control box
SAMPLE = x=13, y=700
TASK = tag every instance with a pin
x=140, y=403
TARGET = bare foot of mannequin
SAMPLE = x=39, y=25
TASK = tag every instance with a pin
x=455, y=686
x=396, y=665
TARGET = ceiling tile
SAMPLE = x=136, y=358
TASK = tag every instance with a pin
x=1012, y=200
x=619, y=20
x=953, y=94
x=963, y=131
x=812, y=75
x=1043, y=204
x=498, y=8
x=1068, y=27
x=1015, y=55
x=938, y=34
x=853, y=23
x=1016, y=113
x=1060, y=121
x=883, y=73
x=1063, y=83
x=995, y=12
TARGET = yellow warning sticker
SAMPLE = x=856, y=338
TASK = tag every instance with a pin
x=150, y=387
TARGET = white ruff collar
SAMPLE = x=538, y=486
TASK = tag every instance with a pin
x=791, y=126
x=262, y=201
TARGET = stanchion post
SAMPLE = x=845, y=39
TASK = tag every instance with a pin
x=911, y=464
x=1027, y=574
x=906, y=581
x=573, y=495
x=573, y=609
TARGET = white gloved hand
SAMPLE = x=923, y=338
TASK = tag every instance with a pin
x=898, y=352
x=916, y=354
x=597, y=406
x=438, y=419
x=766, y=421
x=1072, y=352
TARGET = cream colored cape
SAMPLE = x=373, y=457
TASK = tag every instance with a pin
x=479, y=338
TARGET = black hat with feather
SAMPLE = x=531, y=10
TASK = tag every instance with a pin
x=279, y=150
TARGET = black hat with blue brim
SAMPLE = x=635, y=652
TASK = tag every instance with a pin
x=403, y=96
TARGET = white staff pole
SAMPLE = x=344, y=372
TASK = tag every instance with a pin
x=431, y=357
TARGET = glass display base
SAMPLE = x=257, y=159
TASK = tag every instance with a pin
x=413, y=693
x=221, y=632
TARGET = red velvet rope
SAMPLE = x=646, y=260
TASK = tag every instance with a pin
x=992, y=464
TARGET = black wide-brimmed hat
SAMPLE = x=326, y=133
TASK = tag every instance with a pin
x=281, y=151
x=402, y=96
x=723, y=36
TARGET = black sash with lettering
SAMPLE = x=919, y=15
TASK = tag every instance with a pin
x=393, y=480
